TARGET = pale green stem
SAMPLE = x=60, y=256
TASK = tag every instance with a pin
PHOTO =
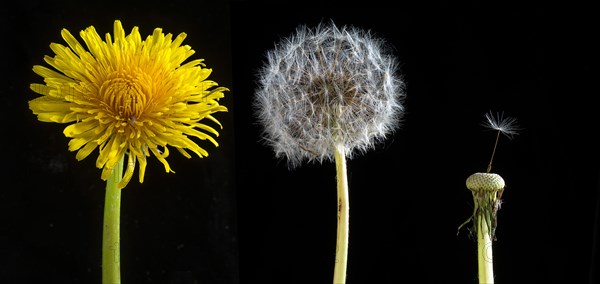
x=111, y=268
x=341, y=251
x=485, y=258
x=487, y=189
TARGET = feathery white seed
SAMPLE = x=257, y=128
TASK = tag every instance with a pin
x=507, y=126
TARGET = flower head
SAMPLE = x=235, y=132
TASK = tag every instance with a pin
x=327, y=86
x=125, y=95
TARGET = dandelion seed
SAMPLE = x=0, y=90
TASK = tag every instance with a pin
x=507, y=126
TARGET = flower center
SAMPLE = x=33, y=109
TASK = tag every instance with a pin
x=126, y=96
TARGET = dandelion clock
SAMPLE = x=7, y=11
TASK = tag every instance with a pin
x=326, y=94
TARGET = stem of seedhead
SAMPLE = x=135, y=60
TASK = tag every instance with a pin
x=487, y=189
x=341, y=251
x=111, y=266
x=485, y=260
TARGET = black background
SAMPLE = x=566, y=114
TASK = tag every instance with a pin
x=240, y=216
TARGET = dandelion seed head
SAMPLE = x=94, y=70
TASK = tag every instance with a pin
x=324, y=86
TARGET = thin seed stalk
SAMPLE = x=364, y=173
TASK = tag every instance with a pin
x=341, y=251
x=111, y=266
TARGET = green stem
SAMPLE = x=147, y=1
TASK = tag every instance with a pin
x=484, y=252
x=341, y=251
x=111, y=269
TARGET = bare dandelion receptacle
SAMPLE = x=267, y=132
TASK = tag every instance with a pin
x=487, y=189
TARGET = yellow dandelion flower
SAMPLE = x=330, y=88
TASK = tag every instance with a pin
x=125, y=95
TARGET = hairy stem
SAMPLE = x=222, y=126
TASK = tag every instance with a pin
x=341, y=252
x=111, y=269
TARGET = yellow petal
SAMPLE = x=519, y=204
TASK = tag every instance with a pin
x=49, y=104
x=81, y=140
x=72, y=42
x=128, y=172
x=183, y=152
x=81, y=127
x=161, y=158
x=85, y=151
x=49, y=73
x=142, y=169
